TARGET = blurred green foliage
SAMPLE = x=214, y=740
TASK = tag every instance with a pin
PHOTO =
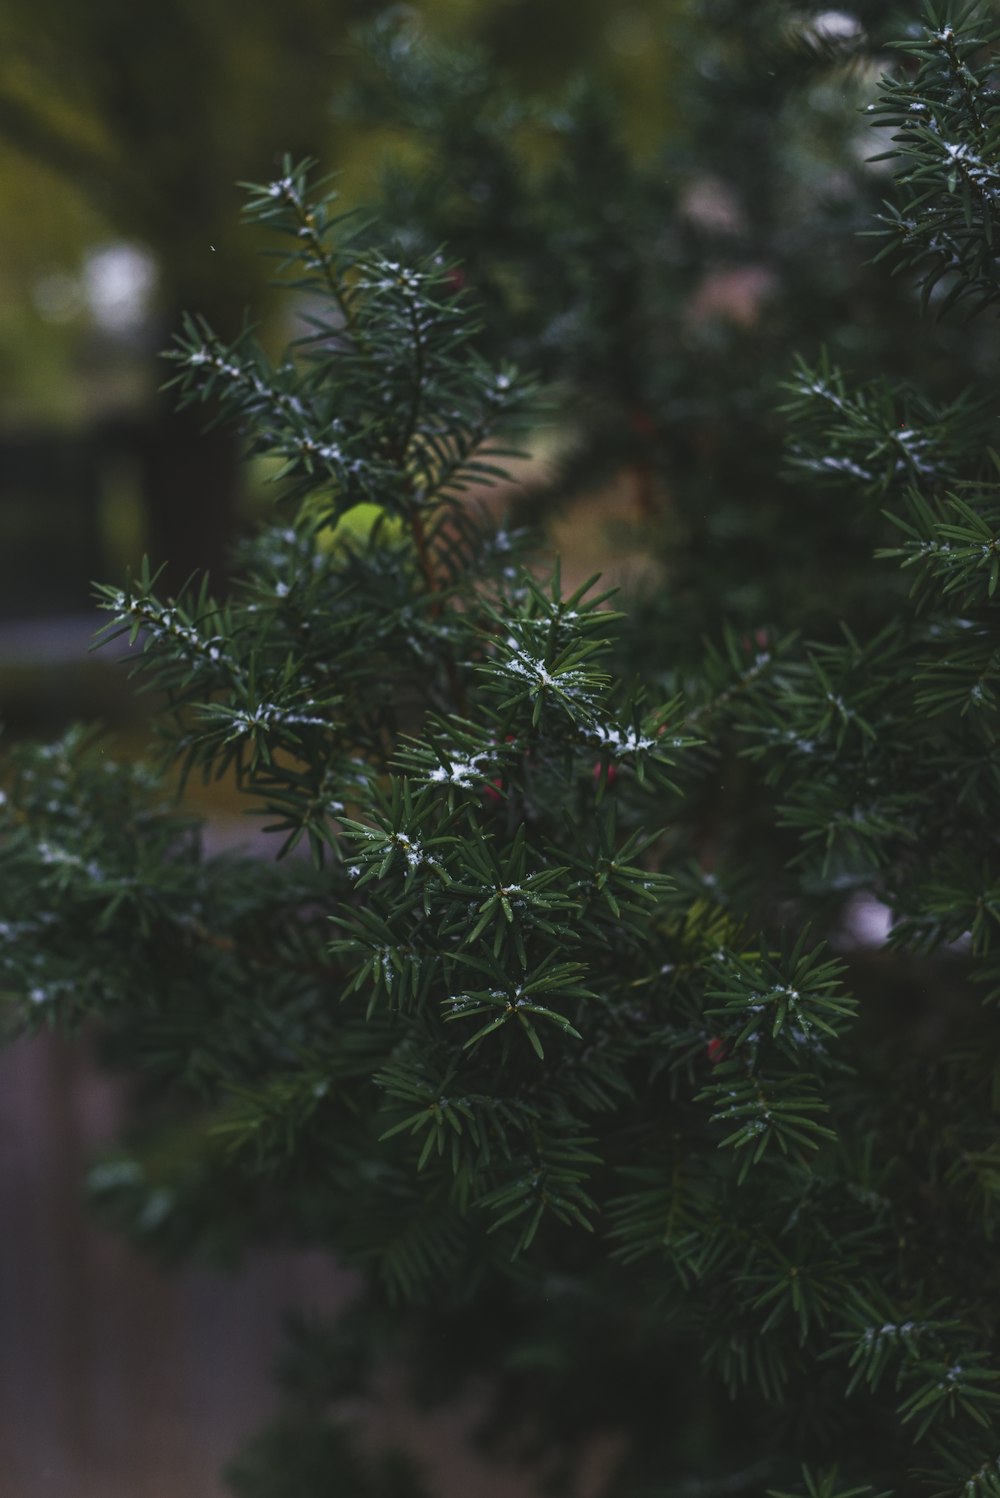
x=134, y=121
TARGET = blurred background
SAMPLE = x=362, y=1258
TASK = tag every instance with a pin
x=124, y=130
x=125, y=126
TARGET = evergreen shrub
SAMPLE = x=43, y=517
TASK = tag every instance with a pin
x=563, y=1033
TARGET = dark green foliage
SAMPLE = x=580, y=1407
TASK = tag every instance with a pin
x=826, y=1485
x=660, y=290
x=566, y=1035
x=313, y=1458
x=947, y=128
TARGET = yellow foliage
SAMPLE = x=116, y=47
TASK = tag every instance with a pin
x=357, y=525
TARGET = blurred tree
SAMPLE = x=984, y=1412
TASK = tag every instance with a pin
x=152, y=113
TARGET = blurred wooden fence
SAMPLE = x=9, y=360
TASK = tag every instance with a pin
x=116, y=1381
x=75, y=506
x=52, y=542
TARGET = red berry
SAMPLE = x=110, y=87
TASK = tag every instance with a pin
x=612, y=773
x=494, y=791
x=761, y=639
x=717, y=1050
